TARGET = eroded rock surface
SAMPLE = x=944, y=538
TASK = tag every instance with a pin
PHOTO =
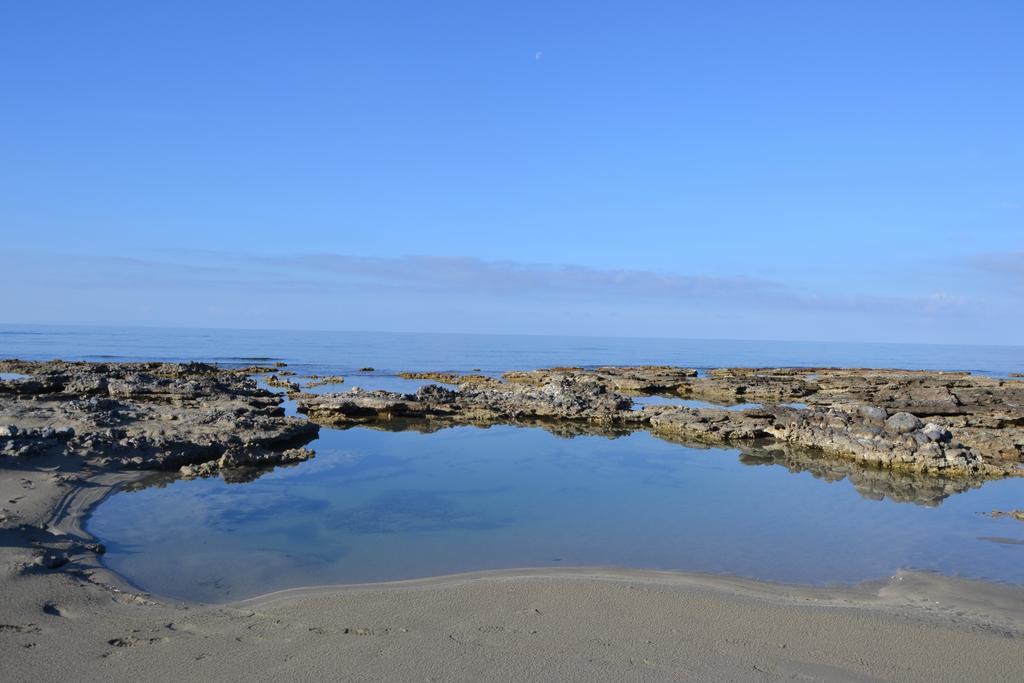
x=323, y=380
x=953, y=424
x=646, y=379
x=203, y=418
x=563, y=397
x=145, y=416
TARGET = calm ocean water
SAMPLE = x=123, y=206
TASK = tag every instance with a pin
x=342, y=352
x=377, y=505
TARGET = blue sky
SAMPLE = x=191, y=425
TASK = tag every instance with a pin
x=787, y=170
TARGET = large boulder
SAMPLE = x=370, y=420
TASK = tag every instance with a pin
x=903, y=423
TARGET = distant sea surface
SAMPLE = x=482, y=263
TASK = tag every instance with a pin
x=341, y=352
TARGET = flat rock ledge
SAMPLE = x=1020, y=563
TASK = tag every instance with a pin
x=192, y=417
x=867, y=434
x=950, y=424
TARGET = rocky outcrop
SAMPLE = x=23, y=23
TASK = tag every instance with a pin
x=25, y=443
x=563, y=397
x=279, y=382
x=442, y=377
x=871, y=435
x=1012, y=514
x=323, y=380
x=892, y=436
x=710, y=425
x=641, y=379
x=985, y=413
x=866, y=434
x=205, y=419
x=159, y=416
x=243, y=458
x=452, y=378
x=739, y=385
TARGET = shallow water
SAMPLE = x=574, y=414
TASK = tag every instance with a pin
x=641, y=401
x=377, y=505
x=370, y=382
x=5, y=376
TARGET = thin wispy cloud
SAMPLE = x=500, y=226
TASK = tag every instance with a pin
x=509, y=278
x=515, y=279
x=321, y=273
x=1006, y=263
x=321, y=290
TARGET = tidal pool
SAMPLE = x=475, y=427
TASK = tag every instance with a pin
x=377, y=506
x=394, y=383
x=656, y=400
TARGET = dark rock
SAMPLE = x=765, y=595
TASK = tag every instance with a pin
x=903, y=423
x=52, y=559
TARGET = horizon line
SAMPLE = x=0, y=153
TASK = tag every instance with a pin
x=503, y=334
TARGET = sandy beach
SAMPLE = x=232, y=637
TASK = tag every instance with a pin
x=81, y=622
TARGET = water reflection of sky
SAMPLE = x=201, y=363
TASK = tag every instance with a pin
x=379, y=505
x=641, y=401
x=371, y=382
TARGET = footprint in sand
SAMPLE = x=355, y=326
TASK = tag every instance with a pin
x=132, y=641
x=52, y=610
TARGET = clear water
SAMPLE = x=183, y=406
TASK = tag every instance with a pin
x=370, y=382
x=641, y=401
x=11, y=375
x=376, y=506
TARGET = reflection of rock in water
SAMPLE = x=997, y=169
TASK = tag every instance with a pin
x=431, y=425
x=870, y=482
x=235, y=475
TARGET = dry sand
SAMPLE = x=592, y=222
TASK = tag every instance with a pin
x=81, y=622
